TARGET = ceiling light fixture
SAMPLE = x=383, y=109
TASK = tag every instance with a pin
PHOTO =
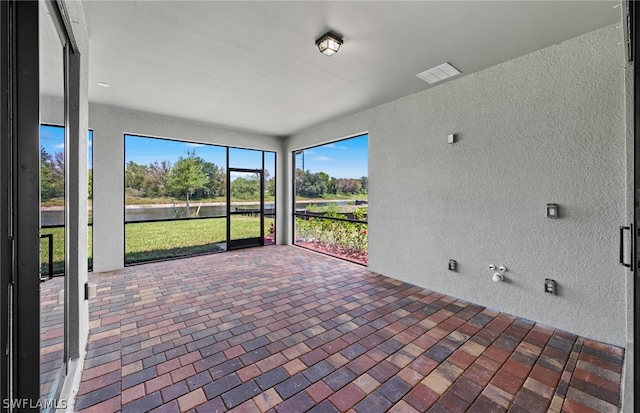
x=329, y=43
x=103, y=84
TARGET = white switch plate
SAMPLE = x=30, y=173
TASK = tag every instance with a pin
x=451, y=138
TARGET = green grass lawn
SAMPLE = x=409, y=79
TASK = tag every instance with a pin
x=167, y=239
x=156, y=240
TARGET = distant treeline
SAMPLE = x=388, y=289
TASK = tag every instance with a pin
x=317, y=184
x=191, y=177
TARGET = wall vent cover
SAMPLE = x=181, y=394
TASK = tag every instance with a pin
x=438, y=73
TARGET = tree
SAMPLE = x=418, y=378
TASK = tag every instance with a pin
x=90, y=183
x=299, y=180
x=364, y=182
x=156, y=178
x=187, y=176
x=349, y=186
x=314, y=184
x=57, y=173
x=45, y=174
x=51, y=174
x=269, y=183
x=332, y=187
x=266, y=178
x=217, y=179
x=245, y=188
x=135, y=176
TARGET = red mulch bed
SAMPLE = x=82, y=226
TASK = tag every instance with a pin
x=360, y=257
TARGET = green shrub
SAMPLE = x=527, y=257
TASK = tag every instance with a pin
x=349, y=235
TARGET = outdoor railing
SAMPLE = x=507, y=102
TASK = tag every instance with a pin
x=337, y=236
x=52, y=255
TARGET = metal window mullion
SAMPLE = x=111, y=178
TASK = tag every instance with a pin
x=228, y=202
x=262, y=202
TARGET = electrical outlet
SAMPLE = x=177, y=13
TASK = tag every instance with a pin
x=453, y=265
x=550, y=286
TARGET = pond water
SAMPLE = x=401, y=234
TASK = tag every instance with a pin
x=53, y=217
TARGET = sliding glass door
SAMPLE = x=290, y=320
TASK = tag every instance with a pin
x=53, y=64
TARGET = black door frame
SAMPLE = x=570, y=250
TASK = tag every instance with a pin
x=20, y=197
x=20, y=200
x=5, y=159
x=246, y=242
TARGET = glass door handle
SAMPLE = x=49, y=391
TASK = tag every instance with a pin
x=622, y=230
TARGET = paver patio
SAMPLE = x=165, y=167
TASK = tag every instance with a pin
x=287, y=330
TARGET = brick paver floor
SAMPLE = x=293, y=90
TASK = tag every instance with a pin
x=282, y=329
x=51, y=336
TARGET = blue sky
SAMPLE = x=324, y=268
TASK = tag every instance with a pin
x=52, y=140
x=343, y=159
x=144, y=151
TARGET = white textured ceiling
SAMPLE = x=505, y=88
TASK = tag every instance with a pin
x=254, y=65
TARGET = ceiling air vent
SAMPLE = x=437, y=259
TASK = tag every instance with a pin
x=438, y=73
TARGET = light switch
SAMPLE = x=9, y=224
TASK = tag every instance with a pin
x=451, y=138
x=552, y=211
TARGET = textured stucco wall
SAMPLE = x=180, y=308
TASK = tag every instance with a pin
x=51, y=110
x=109, y=125
x=627, y=393
x=548, y=127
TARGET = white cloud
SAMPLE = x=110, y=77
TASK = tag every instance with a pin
x=59, y=146
x=321, y=158
x=194, y=145
x=334, y=146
